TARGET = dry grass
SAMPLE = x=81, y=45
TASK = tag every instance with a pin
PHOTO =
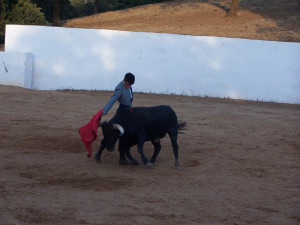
x=277, y=20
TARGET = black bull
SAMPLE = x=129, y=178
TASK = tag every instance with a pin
x=137, y=125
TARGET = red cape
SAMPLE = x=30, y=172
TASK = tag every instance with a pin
x=88, y=133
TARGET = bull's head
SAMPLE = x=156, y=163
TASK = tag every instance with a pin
x=111, y=133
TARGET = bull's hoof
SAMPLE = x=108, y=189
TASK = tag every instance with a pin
x=97, y=158
x=177, y=166
x=134, y=163
x=149, y=164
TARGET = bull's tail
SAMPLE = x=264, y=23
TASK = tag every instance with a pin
x=181, y=126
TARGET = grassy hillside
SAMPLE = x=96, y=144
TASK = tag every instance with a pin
x=276, y=20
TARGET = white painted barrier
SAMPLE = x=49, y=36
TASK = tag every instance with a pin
x=16, y=69
x=163, y=63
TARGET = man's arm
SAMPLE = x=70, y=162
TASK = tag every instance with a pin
x=112, y=100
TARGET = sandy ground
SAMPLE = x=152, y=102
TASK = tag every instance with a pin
x=240, y=160
x=240, y=163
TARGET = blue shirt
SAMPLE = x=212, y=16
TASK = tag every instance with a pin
x=122, y=95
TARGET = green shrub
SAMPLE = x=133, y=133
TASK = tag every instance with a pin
x=78, y=8
x=19, y=12
x=2, y=37
x=25, y=12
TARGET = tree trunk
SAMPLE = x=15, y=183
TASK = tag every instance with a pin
x=96, y=5
x=234, y=8
x=55, y=13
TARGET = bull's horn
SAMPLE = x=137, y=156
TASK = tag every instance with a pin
x=119, y=127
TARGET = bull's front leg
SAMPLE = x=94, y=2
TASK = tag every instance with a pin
x=132, y=160
x=142, y=137
x=124, y=150
x=123, y=160
x=141, y=151
x=101, y=148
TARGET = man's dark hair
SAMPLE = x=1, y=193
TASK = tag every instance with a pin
x=129, y=77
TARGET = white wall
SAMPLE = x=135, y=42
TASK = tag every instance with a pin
x=16, y=69
x=163, y=63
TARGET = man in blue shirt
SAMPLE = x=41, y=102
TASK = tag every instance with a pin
x=122, y=93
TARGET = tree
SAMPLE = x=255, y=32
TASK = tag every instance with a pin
x=53, y=9
x=96, y=6
x=55, y=13
x=80, y=8
x=234, y=8
x=5, y=7
x=19, y=12
x=24, y=12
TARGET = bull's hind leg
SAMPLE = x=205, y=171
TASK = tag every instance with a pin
x=101, y=148
x=173, y=136
x=157, y=147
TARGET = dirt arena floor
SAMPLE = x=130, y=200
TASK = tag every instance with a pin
x=240, y=163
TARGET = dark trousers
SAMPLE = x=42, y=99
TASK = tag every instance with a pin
x=125, y=117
